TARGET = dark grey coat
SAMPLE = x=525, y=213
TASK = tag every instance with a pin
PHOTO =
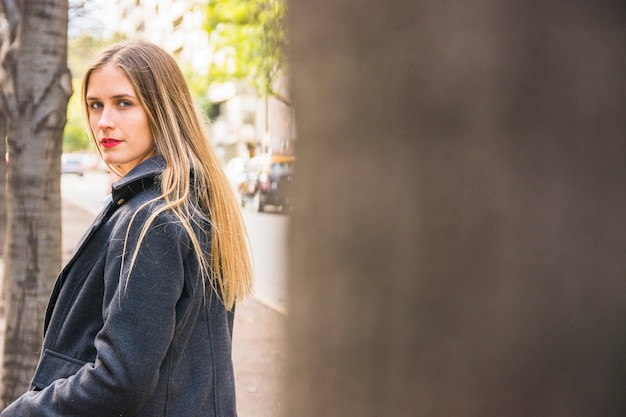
x=152, y=345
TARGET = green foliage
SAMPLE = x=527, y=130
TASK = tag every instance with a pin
x=74, y=139
x=249, y=40
x=74, y=135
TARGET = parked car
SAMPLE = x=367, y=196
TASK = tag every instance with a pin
x=72, y=164
x=274, y=184
x=265, y=181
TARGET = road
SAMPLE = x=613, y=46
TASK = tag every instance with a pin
x=267, y=233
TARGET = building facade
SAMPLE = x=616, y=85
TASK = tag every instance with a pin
x=243, y=123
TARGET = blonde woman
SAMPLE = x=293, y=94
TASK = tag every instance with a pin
x=140, y=319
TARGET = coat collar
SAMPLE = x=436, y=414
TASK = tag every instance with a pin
x=139, y=178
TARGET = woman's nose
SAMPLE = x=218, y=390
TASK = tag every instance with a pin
x=106, y=120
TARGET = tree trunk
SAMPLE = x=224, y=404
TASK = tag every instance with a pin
x=458, y=233
x=36, y=91
x=3, y=214
x=5, y=44
x=3, y=186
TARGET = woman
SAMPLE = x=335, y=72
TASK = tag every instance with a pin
x=140, y=319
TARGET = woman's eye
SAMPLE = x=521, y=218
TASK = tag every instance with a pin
x=95, y=105
x=125, y=103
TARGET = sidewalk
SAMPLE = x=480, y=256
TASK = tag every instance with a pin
x=258, y=341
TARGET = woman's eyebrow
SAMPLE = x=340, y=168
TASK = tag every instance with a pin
x=116, y=96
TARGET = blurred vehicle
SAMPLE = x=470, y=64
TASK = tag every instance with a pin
x=72, y=164
x=274, y=184
x=265, y=180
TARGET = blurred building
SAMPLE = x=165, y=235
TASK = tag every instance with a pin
x=243, y=123
x=175, y=25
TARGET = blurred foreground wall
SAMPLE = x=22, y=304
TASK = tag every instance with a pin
x=459, y=236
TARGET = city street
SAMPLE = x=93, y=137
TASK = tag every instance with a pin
x=267, y=233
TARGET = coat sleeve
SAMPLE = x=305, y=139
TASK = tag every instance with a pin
x=139, y=325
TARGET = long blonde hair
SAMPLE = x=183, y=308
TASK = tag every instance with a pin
x=181, y=138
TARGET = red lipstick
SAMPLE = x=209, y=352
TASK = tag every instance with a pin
x=109, y=142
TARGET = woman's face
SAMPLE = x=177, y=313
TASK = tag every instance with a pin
x=117, y=119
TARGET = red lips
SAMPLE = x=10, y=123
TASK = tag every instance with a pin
x=110, y=142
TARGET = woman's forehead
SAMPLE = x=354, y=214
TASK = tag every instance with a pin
x=109, y=80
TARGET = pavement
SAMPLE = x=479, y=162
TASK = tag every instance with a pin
x=259, y=337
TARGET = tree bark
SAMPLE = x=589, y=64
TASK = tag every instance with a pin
x=36, y=93
x=5, y=43
x=3, y=185
x=458, y=232
x=3, y=209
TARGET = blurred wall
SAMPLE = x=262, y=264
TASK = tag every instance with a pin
x=459, y=236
